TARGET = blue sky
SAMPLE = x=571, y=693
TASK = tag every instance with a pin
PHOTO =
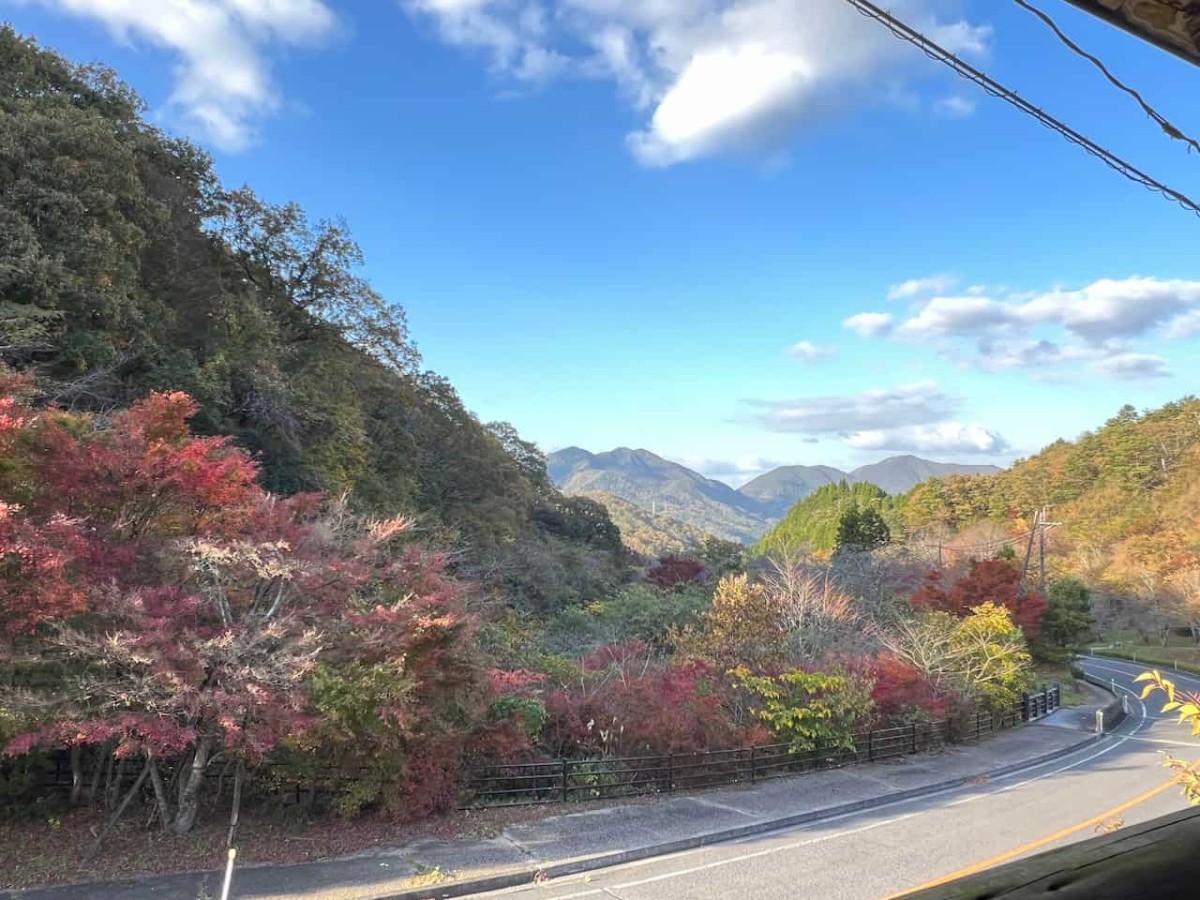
x=657, y=223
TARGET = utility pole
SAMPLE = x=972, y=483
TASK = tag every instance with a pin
x=1042, y=550
x=1037, y=523
x=1042, y=555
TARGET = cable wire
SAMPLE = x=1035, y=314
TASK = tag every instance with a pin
x=939, y=54
x=1168, y=128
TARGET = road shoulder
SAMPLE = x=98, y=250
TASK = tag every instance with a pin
x=593, y=838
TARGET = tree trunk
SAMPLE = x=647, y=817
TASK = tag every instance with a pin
x=102, y=755
x=116, y=774
x=178, y=778
x=189, y=797
x=160, y=794
x=76, y=772
x=137, y=785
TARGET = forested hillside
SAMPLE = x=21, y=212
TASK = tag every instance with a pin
x=1127, y=495
x=812, y=524
x=648, y=534
x=127, y=267
x=660, y=487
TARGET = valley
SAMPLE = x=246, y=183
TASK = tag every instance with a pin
x=668, y=490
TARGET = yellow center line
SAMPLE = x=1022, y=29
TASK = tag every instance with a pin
x=1040, y=842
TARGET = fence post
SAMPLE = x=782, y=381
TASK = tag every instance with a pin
x=871, y=745
x=914, y=737
x=671, y=773
x=1025, y=709
x=564, y=780
x=752, y=755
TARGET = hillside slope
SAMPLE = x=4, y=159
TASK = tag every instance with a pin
x=648, y=534
x=780, y=488
x=661, y=487
x=126, y=267
x=812, y=524
x=898, y=474
x=1127, y=495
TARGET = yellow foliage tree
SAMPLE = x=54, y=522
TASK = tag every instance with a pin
x=743, y=627
x=1188, y=706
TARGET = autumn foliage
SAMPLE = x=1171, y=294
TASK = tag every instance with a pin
x=187, y=612
x=901, y=692
x=629, y=703
x=674, y=571
x=989, y=580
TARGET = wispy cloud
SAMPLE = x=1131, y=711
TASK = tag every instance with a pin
x=910, y=404
x=706, y=75
x=910, y=418
x=223, y=84
x=955, y=106
x=1133, y=366
x=733, y=471
x=870, y=324
x=809, y=352
x=954, y=438
x=1098, y=323
x=919, y=287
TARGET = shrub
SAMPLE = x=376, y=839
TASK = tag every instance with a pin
x=634, y=705
x=902, y=694
x=808, y=710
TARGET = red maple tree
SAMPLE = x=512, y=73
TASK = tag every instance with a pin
x=994, y=580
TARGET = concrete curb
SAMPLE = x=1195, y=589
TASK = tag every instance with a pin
x=587, y=864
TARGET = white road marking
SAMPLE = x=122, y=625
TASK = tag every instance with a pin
x=679, y=873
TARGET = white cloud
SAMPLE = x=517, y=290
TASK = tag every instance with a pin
x=222, y=79
x=810, y=352
x=1099, y=323
x=952, y=316
x=710, y=75
x=1185, y=326
x=869, y=324
x=909, y=404
x=916, y=287
x=946, y=437
x=954, y=107
x=1133, y=366
x=734, y=471
x=1112, y=308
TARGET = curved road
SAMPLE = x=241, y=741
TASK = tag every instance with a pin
x=916, y=843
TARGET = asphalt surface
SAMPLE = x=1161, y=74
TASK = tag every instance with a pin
x=908, y=844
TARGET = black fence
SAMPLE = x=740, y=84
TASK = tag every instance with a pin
x=564, y=780
x=610, y=778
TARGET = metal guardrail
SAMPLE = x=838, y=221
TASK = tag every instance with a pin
x=609, y=778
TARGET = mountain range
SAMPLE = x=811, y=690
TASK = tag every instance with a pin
x=670, y=490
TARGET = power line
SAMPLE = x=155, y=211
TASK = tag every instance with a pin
x=939, y=54
x=1168, y=128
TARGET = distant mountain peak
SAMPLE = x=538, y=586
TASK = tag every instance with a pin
x=666, y=488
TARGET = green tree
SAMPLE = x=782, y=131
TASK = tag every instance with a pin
x=862, y=529
x=813, y=523
x=1068, y=613
x=808, y=710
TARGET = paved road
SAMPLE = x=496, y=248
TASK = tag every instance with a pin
x=907, y=844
